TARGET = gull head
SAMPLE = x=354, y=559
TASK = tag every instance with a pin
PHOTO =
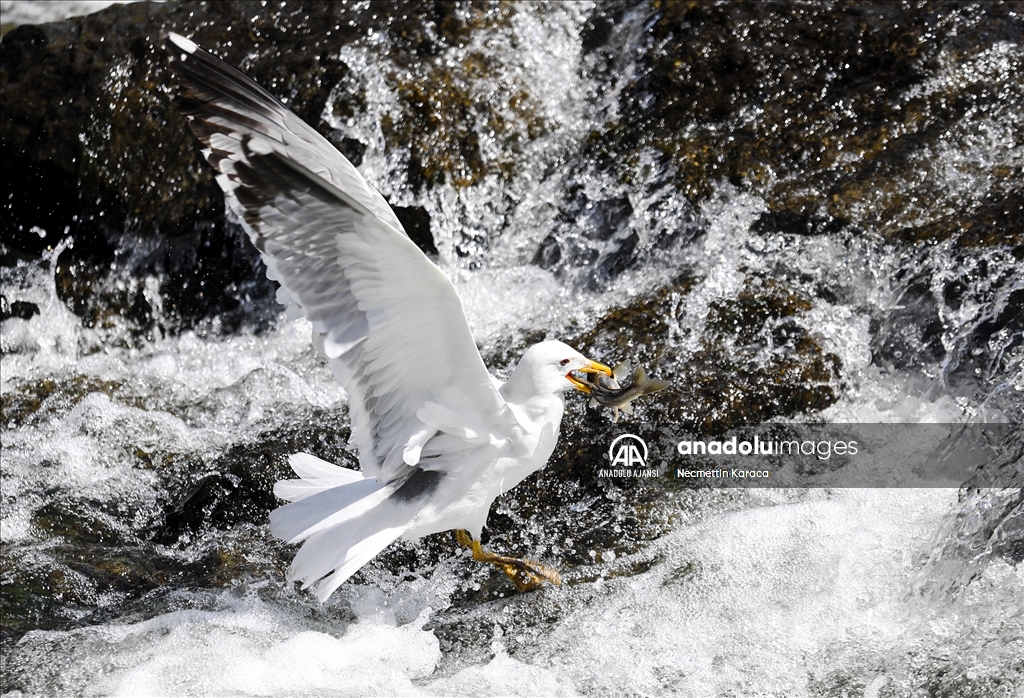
x=551, y=365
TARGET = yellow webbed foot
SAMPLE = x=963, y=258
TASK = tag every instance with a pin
x=524, y=574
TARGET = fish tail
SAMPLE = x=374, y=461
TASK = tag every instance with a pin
x=655, y=386
x=645, y=384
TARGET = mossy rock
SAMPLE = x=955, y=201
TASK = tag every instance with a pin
x=104, y=157
x=29, y=599
x=756, y=358
x=833, y=113
x=22, y=404
x=81, y=522
x=87, y=101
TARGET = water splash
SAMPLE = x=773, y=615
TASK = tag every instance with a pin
x=739, y=593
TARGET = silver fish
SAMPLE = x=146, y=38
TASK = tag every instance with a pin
x=610, y=393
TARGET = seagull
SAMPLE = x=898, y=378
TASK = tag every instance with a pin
x=439, y=438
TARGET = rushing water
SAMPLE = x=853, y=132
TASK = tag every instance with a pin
x=839, y=592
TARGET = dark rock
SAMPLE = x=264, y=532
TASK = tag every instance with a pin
x=209, y=532
x=987, y=348
x=596, y=31
x=351, y=149
x=622, y=257
x=791, y=223
x=824, y=109
x=238, y=487
x=602, y=219
x=549, y=253
x=78, y=521
x=18, y=309
x=595, y=236
x=756, y=360
x=985, y=525
x=31, y=597
x=911, y=335
x=416, y=222
x=94, y=150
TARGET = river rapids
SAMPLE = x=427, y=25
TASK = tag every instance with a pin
x=796, y=213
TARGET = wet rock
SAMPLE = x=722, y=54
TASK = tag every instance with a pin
x=757, y=362
x=210, y=279
x=81, y=522
x=791, y=223
x=416, y=222
x=827, y=111
x=23, y=402
x=18, y=309
x=116, y=544
x=756, y=358
x=31, y=597
x=549, y=253
x=911, y=335
x=209, y=532
x=925, y=324
x=238, y=487
x=595, y=235
x=990, y=348
x=830, y=126
x=82, y=582
x=602, y=219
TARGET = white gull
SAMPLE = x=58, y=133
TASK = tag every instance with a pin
x=438, y=437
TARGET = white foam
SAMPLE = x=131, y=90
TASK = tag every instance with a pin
x=759, y=599
x=38, y=12
x=504, y=676
x=248, y=648
x=772, y=592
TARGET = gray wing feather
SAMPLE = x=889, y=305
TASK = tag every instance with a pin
x=388, y=320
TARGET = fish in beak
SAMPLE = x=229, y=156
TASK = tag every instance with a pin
x=609, y=393
x=590, y=367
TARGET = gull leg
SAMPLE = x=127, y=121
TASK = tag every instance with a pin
x=525, y=574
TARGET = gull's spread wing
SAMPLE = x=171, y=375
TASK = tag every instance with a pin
x=387, y=319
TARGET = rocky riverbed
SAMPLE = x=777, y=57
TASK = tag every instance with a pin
x=795, y=213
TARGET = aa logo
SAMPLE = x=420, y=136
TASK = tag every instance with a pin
x=628, y=451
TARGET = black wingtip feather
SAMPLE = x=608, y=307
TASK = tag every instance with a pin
x=200, y=71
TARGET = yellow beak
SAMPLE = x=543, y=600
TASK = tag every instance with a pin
x=591, y=367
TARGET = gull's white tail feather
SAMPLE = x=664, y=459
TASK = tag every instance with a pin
x=356, y=556
x=342, y=548
x=312, y=468
x=344, y=518
x=316, y=476
x=299, y=520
